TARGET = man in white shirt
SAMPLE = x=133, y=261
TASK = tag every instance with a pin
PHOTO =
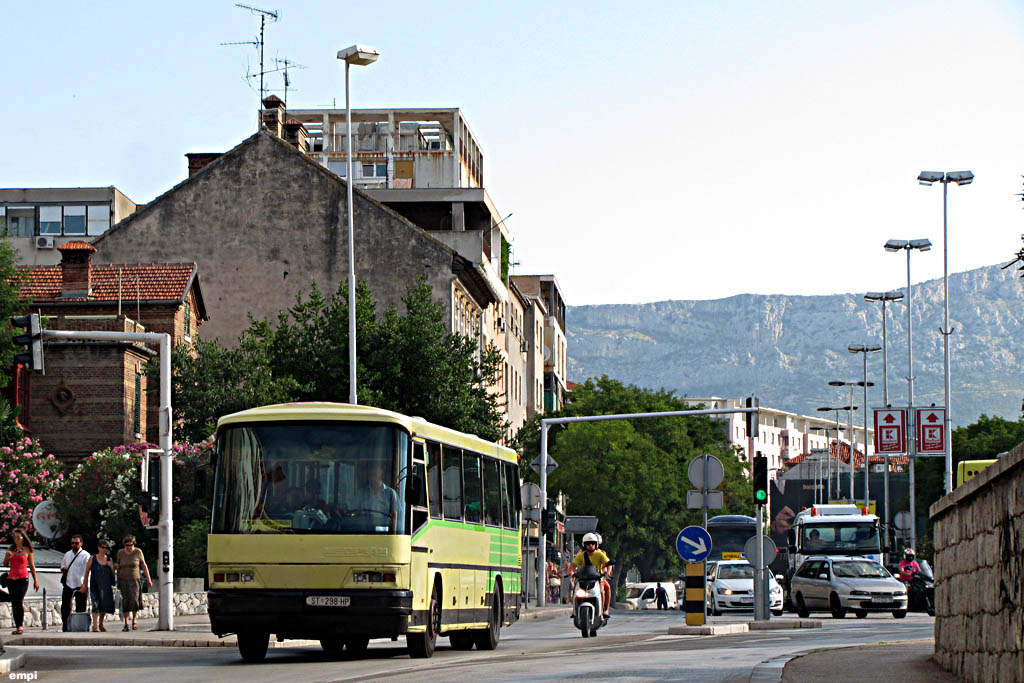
x=378, y=499
x=76, y=584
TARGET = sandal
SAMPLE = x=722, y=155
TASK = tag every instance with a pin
x=134, y=627
x=95, y=629
x=103, y=628
x=17, y=632
x=125, y=627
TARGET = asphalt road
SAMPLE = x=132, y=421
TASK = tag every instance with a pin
x=635, y=646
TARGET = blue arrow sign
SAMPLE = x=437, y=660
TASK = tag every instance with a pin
x=693, y=544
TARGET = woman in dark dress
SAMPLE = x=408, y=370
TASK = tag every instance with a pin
x=131, y=565
x=100, y=570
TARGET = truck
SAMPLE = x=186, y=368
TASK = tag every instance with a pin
x=832, y=529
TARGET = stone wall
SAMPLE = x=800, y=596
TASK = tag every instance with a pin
x=979, y=566
x=184, y=604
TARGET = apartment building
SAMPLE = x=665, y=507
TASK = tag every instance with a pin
x=545, y=291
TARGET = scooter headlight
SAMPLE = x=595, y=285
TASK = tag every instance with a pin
x=580, y=593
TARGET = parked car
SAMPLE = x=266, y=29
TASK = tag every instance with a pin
x=731, y=588
x=642, y=595
x=839, y=583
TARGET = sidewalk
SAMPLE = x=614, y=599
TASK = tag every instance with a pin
x=908, y=661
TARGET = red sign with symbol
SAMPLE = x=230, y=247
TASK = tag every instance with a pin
x=931, y=432
x=890, y=430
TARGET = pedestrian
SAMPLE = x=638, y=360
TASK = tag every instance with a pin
x=74, y=579
x=19, y=558
x=130, y=566
x=661, y=595
x=101, y=584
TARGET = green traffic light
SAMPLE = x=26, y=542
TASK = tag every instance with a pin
x=761, y=495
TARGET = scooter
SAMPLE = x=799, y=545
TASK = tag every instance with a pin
x=921, y=591
x=586, y=601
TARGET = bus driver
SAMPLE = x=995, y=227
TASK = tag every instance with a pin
x=377, y=498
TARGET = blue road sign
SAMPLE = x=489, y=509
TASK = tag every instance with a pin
x=693, y=544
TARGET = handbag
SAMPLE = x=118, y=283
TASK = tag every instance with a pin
x=64, y=572
x=5, y=580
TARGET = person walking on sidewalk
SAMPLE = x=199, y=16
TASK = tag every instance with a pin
x=101, y=584
x=74, y=580
x=130, y=566
x=19, y=558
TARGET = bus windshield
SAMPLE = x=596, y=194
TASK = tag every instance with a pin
x=729, y=537
x=840, y=538
x=310, y=478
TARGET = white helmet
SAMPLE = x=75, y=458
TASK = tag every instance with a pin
x=599, y=539
x=591, y=538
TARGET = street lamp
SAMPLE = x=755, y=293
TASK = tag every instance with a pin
x=836, y=409
x=908, y=246
x=865, y=349
x=884, y=297
x=960, y=178
x=360, y=55
x=851, y=435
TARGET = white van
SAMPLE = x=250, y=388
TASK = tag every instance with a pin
x=643, y=596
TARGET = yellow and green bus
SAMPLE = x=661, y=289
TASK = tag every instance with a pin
x=342, y=523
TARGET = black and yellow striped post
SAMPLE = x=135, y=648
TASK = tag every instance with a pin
x=694, y=594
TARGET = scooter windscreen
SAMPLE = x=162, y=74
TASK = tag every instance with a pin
x=587, y=576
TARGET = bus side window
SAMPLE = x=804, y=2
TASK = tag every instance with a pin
x=492, y=492
x=434, y=478
x=452, y=483
x=513, y=502
x=473, y=488
x=418, y=488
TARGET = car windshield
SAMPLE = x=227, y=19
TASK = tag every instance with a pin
x=736, y=571
x=858, y=569
x=840, y=538
x=634, y=592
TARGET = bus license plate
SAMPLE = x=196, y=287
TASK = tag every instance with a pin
x=328, y=600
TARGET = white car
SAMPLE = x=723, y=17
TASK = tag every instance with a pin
x=731, y=588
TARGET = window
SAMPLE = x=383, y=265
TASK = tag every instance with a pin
x=339, y=168
x=187, y=318
x=137, y=409
x=74, y=220
x=492, y=493
x=375, y=170
x=452, y=483
x=49, y=220
x=472, y=482
x=99, y=219
x=512, y=500
x=3, y=221
x=434, y=479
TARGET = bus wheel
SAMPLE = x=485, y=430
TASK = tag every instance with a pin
x=356, y=646
x=333, y=646
x=461, y=640
x=487, y=638
x=252, y=645
x=421, y=645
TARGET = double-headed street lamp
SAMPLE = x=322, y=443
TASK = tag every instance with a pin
x=908, y=246
x=852, y=435
x=360, y=55
x=960, y=178
x=865, y=349
x=836, y=409
x=885, y=297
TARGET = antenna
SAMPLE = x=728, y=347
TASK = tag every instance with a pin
x=263, y=14
x=283, y=65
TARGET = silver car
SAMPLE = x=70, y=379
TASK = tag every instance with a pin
x=731, y=588
x=839, y=584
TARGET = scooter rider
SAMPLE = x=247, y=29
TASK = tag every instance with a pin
x=600, y=561
x=908, y=566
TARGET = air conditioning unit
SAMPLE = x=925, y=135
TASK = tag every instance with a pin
x=44, y=243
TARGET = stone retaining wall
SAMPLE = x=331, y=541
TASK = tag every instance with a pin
x=184, y=604
x=979, y=567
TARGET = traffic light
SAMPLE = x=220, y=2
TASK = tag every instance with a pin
x=148, y=498
x=760, y=480
x=31, y=339
x=752, y=421
x=548, y=518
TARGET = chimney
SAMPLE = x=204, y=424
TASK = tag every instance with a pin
x=76, y=269
x=272, y=116
x=295, y=134
x=197, y=161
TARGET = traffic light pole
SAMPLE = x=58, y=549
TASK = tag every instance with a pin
x=165, y=620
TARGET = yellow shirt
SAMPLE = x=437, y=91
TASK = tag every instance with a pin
x=597, y=558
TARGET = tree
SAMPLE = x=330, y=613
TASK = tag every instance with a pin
x=631, y=474
x=10, y=304
x=407, y=362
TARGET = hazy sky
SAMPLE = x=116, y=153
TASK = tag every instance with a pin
x=677, y=150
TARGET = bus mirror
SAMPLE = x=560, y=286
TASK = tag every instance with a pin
x=791, y=540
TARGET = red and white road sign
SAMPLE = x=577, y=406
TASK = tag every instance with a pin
x=890, y=430
x=931, y=433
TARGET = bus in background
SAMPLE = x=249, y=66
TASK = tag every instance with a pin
x=729, y=533
x=968, y=469
x=342, y=523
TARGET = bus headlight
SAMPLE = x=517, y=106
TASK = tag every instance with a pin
x=373, y=577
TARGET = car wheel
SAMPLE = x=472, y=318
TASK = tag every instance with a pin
x=801, y=607
x=861, y=614
x=777, y=612
x=899, y=614
x=838, y=611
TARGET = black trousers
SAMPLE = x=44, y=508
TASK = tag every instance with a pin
x=65, y=604
x=17, y=589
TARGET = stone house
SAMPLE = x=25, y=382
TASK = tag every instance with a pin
x=94, y=394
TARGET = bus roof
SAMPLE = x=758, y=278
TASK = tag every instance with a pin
x=329, y=412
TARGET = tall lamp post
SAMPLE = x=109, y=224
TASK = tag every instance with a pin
x=909, y=246
x=852, y=435
x=884, y=297
x=837, y=409
x=865, y=349
x=960, y=178
x=360, y=55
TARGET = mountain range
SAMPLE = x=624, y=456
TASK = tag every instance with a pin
x=784, y=349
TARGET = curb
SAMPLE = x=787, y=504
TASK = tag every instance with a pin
x=11, y=660
x=782, y=625
x=550, y=613
x=724, y=629
x=770, y=671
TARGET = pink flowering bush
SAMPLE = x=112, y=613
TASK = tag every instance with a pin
x=27, y=477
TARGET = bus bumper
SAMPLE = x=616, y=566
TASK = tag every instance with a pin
x=285, y=613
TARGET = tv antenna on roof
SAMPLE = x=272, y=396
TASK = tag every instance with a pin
x=283, y=65
x=263, y=15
